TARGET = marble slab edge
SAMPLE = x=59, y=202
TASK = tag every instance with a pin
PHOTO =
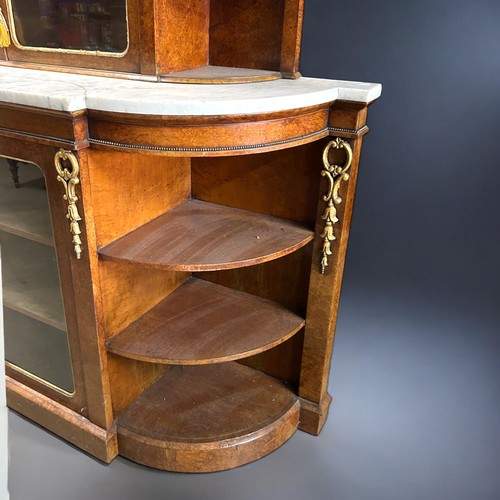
x=73, y=92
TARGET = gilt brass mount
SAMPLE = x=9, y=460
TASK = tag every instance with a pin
x=70, y=179
x=335, y=174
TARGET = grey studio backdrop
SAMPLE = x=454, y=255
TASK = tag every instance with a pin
x=416, y=371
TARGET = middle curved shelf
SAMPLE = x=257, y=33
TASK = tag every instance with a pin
x=204, y=323
x=202, y=236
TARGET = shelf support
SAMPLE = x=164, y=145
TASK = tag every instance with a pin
x=69, y=179
x=335, y=175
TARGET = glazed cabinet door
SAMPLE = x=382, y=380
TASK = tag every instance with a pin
x=90, y=26
x=42, y=350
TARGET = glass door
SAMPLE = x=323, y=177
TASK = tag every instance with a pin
x=36, y=340
x=66, y=25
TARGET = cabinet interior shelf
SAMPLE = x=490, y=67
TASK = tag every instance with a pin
x=31, y=286
x=201, y=323
x=48, y=356
x=24, y=232
x=201, y=236
x=35, y=314
x=220, y=74
x=24, y=211
x=221, y=416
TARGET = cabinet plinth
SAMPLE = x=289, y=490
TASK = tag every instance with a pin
x=208, y=418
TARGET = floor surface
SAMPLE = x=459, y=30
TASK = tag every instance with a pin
x=415, y=416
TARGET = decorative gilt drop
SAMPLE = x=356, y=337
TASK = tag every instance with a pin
x=335, y=174
x=69, y=179
x=4, y=32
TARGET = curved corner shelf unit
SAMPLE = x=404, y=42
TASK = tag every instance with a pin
x=207, y=412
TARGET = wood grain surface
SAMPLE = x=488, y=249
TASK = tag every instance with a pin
x=181, y=31
x=246, y=33
x=202, y=323
x=292, y=37
x=214, y=135
x=280, y=183
x=220, y=74
x=207, y=418
x=324, y=289
x=124, y=199
x=200, y=236
x=173, y=35
x=61, y=420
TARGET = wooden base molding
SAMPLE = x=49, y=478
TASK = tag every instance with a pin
x=214, y=418
x=209, y=457
x=313, y=415
x=62, y=421
x=196, y=454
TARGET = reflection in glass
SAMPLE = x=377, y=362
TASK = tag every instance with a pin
x=72, y=25
x=36, y=340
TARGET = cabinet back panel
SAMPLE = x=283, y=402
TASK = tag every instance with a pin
x=182, y=34
x=284, y=280
x=130, y=189
x=281, y=183
x=247, y=33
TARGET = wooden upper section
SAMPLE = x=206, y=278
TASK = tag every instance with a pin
x=165, y=37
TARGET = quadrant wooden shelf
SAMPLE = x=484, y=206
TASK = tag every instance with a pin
x=207, y=418
x=220, y=74
x=202, y=322
x=201, y=236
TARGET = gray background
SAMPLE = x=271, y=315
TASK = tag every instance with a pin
x=415, y=375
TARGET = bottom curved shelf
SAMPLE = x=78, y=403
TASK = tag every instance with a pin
x=207, y=418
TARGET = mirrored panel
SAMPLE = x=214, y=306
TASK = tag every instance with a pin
x=36, y=340
x=71, y=25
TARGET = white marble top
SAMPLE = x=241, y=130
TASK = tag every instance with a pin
x=72, y=92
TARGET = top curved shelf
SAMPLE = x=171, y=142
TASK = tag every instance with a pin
x=201, y=236
x=220, y=75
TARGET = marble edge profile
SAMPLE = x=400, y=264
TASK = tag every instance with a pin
x=72, y=92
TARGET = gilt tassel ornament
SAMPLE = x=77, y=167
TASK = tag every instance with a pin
x=335, y=174
x=4, y=32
